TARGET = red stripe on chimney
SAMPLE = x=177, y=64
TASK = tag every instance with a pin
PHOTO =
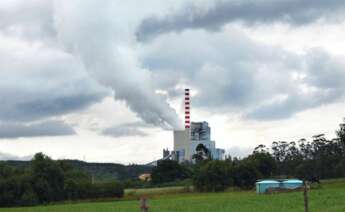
x=187, y=108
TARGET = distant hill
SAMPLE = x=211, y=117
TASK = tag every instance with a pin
x=100, y=171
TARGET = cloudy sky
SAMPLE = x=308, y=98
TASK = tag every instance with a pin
x=103, y=80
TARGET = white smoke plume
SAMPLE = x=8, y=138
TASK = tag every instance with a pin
x=106, y=48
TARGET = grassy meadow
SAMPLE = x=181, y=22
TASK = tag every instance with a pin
x=330, y=197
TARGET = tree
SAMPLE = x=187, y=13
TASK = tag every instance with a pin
x=47, y=178
x=341, y=134
x=260, y=149
x=13, y=186
x=202, y=153
x=76, y=184
x=264, y=163
x=169, y=171
x=245, y=174
x=213, y=175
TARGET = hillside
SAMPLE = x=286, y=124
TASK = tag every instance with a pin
x=100, y=171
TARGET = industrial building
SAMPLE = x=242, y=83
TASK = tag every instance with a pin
x=187, y=140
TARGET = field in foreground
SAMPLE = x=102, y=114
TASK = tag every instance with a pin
x=331, y=197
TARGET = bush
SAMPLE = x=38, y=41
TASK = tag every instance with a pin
x=169, y=171
x=113, y=189
x=134, y=183
x=264, y=163
x=245, y=174
x=212, y=176
x=76, y=183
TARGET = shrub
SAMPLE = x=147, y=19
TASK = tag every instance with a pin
x=169, y=171
x=212, y=176
x=245, y=174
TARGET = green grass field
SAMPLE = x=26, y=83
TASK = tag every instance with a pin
x=331, y=197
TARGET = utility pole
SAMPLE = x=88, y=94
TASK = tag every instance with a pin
x=144, y=206
x=305, y=194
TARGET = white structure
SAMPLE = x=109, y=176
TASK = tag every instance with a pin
x=186, y=142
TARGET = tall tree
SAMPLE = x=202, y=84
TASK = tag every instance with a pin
x=48, y=178
x=341, y=133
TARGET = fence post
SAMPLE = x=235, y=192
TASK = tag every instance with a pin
x=305, y=194
x=144, y=206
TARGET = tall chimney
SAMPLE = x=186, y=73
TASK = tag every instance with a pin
x=187, y=108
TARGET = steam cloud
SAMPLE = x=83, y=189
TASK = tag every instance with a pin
x=88, y=30
x=194, y=16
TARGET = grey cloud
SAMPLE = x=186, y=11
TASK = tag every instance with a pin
x=38, y=79
x=283, y=109
x=37, y=85
x=125, y=130
x=138, y=124
x=7, y=156
x=222, y=75
x=43, y=107
x=48, y=128
x=324, y=71
x=193, y=16
x=235, y=74
x=324, y=77
x=29, y=20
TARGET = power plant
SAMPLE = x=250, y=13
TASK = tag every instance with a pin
x=194, y=135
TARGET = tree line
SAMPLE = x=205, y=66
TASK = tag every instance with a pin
x=46, y=180
x=312, y=160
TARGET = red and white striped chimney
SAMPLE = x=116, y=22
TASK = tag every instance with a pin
x=187, y=108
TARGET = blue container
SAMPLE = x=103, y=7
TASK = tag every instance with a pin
x=262, y=186
x=292, y=183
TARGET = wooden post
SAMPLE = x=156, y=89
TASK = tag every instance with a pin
x=305, y=193
x=144, y=206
